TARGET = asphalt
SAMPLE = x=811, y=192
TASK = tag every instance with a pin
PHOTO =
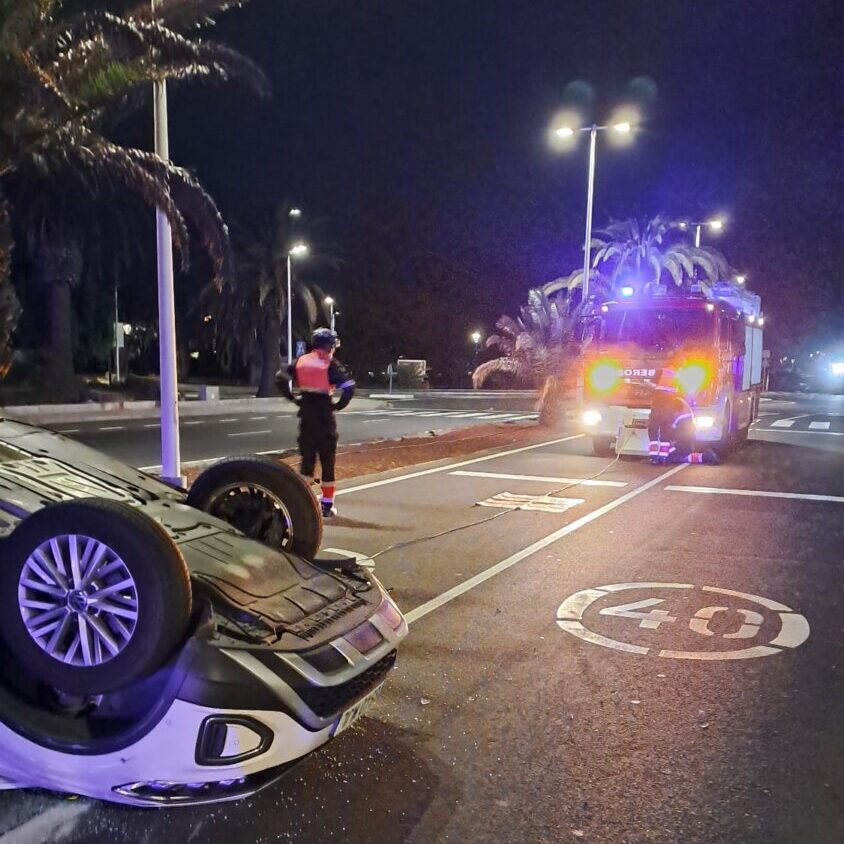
x=138, y=441
x=510, y=719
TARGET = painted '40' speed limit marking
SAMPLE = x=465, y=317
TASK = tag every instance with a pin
x=718, y=618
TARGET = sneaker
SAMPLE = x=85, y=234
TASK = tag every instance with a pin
x=328, y=509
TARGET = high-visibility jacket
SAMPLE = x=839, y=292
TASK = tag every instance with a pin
x=671, y=423
x=316, y=375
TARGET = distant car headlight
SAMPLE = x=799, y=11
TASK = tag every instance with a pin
x=704, y=423
x=837, y=367
x=591, y=417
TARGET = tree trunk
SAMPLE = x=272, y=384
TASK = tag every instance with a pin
x=9, y=306
x=551, y=402
x=270, y=355
x=60, y=321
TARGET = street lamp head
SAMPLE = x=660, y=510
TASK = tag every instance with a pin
x=682, y=225
x=295, y=212
x=298, y=250
x=623, y=128
x=717, y=224
x=476, y=337
x=328, y=300
x=741, y=279
x=564, y=132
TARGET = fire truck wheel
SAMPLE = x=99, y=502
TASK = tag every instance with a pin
x=729, y=435
x=602, y=447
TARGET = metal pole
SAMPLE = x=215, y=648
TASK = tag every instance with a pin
x=697, y=235
x=289, y=310
x=593, y=135
x=331, y=306
x=171, y=464
x=116, y=339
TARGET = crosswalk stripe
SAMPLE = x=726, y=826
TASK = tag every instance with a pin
x=819, y=426
x=782, y=423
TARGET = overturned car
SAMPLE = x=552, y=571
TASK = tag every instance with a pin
x=163, y=647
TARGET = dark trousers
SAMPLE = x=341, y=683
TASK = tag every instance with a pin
x=317, y=437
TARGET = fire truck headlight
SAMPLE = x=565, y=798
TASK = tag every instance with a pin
x=604, y=376
x=837, y=367
x=704, y=423
x=591, y=417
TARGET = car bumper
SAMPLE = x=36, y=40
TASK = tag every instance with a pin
x=627, y=428
x=241, y=718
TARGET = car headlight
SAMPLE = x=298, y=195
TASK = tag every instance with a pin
x=704, y=423
x=837, y=367
x=591, y=417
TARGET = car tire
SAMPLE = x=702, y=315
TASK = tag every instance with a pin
x=260, y=496
x=602, y=447
x=121, y=581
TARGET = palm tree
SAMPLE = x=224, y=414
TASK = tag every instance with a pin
x=250, y=313
x=654, y=255
x=538, y=348
x=65, y=78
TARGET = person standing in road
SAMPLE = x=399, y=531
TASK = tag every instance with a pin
x=310, y=382
x=671, y=426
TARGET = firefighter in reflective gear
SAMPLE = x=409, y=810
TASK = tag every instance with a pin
x=315, y=377
x=671, y=426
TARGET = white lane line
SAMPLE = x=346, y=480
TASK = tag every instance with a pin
x=819, y=426
x=193, y=422
x=256, y=418
x=757, y=493
x=800, y=433
x=783, y=423
x=153, y=425
x=540, y=478
x=67, y=430
x=249, y=433
x=474, y=414
x=227, y=421
x=449, y=466
x=112, y=428
x=430, y=413
x=455, y=592
x=526, y=416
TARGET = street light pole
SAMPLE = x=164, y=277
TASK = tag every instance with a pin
x=171, y=464
x=698, y=227
x=289, y=308
x=623, y=128
x=590, y=192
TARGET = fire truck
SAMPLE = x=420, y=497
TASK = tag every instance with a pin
x=711, y=338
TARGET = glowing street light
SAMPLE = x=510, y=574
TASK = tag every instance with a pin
x=330, y=302
x=475, y=337
x=298, y=250
x=715, y=224
x=622, y=128
x=294, y=212
x=741, y=279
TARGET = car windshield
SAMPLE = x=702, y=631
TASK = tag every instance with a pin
x=657, y=330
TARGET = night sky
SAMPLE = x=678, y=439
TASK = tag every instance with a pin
x=439, y=110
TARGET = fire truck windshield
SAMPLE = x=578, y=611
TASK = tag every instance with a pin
x=657, y=329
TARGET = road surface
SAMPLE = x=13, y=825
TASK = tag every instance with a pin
x=137, y=441
x=818, y=420
x=654, y=658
